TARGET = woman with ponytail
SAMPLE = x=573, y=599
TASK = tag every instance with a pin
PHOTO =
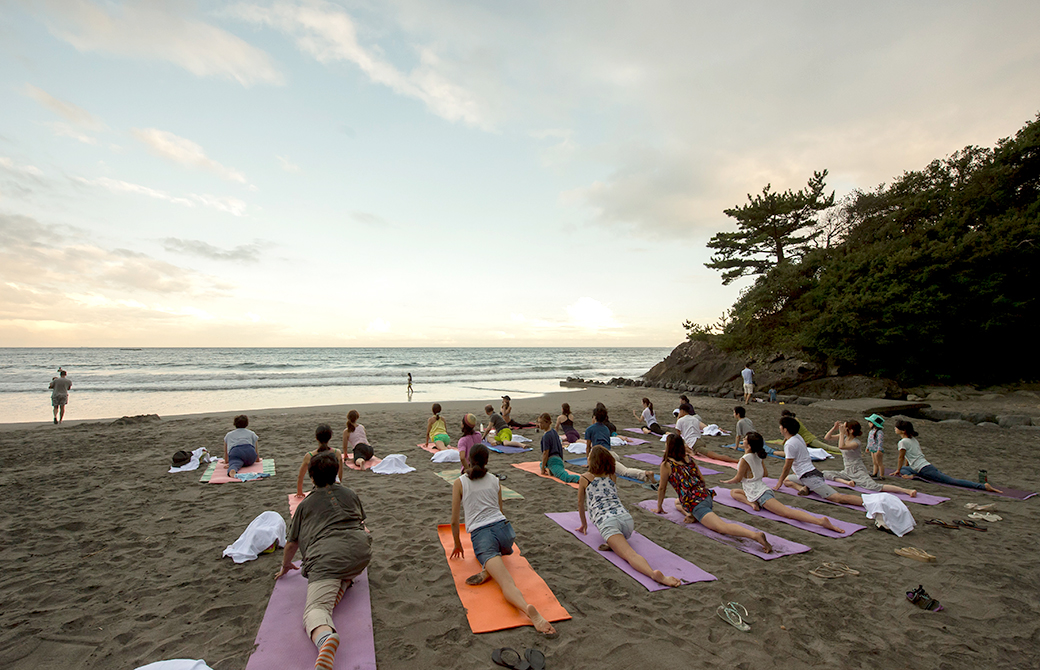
x=648, y=417
x=480, y=498
x=912, y=462
x=565, y=424
x=436, y=430
x=754, y=492
x=355, y=441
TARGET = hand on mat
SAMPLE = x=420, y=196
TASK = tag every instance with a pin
x=457, y=552
x=285, y=570
x=584, y=528
x=300, y=496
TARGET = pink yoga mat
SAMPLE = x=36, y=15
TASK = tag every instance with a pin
x=658, y=557
x=654, y=459
x=294, y=502
x=725, y=497
x=1004, y=491
x=283, y=644
x=220, y=475
x=369, y=464
x=781, y=547
x=432, y=447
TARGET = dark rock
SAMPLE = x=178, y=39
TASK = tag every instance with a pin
x=989, y=424
x=850, y=386
x=961, y=423
x=933, y=414
x=1025, y=428
x=135, y=420
x=1009, y=420
x=980, y=417
x=806, y=401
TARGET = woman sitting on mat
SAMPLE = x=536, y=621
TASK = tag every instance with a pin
x=693, y=495
x=597, y=491
x=854, y=470
x=323, y=434
x=649, y=418
x=241, y=446
x=565, y=424
x=355, y=442
x=436, y=429
x=552, y=452
x=507, y=410
x=329, y=529
x=480, y=497
x=912, y=462
x=753, y=491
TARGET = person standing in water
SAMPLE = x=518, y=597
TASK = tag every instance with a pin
x=60, y=394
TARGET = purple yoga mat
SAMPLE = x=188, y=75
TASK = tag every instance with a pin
x=781, y=547
x=1005, y=492
x=654, y=459
x=725, y=497
x=921, y=499
x=638, y=431
x=503, y=449
x=283, y=644
x=658, y=557
x=770, y=482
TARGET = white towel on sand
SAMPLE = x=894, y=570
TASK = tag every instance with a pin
x=262, y=532
x=714, y=429
x=447, y=456
x=177, y=664
x=818, y=454
x=193, y=464
x=520, y=438
x=576, y=448
x=891, y=511
x=394, y=464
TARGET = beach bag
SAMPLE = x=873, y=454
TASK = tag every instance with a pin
x=181, y=458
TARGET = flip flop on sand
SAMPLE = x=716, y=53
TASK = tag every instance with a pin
x=841, y=567
x=981, y=508
x=826, y=572
x=940, y=522
x=965, y=523
x=509, y=658
x=732, y=616
x=535, y=659
x=916, y=554
x=986, y=516
x=921, y=598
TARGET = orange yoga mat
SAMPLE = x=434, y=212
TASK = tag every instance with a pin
x=486, y=608
x=535, y=468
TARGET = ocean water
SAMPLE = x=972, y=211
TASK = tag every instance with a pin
x=109, y=383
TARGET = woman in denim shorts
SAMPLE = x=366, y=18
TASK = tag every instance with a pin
x=480, y=497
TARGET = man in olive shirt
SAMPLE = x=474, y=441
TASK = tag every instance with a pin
x=60, y=394
x=329, y=528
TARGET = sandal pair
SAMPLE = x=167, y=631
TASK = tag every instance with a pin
x=731, y=613
x=916, y=554
x=833, y=571
x=970, y=525
x=510, y=658
x=921, y=598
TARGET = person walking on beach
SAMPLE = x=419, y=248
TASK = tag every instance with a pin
x=597, y=492
x=329, y=529
x=241, y=446
x=749, y=382
x=754, y=492
x=806, y=477
x=492, y=536
x=60, y=394
x=409, y=385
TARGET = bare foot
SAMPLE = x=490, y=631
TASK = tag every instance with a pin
x=687, y=518
x=755, y=506
x=992, y=490
x=540, y=624
x=604, y=547
x=661, y=578
x=847, y=482
x=478, y=579
x=913, y=493
x=803, y=491
x=830, y=526
x=761, y=539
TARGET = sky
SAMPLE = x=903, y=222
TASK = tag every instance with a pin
x=428, y=173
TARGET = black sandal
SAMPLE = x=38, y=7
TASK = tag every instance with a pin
x=509, y=658
x=921, y=598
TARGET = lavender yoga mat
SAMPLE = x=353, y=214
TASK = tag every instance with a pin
x=503, y=449
x=725, y=497
x=658, y=557
x=920, y=499
x=283, y=644
x=584, y=462
x=654, y=459
x=781, y=547
x=770, y=482
x=1005, y=492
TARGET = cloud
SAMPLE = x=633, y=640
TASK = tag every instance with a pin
x=66, y=130
x=378, y=326
x=157, y=31
x=248, y=253
x=287, y=165
x=592, y=315
x=370, y=219
x=70, y=112
x=227, y=204
x=180, y=150
x=329, y=34
x=9, y=165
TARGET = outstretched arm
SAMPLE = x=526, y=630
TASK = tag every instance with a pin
x=303, y=469
x=742, y=472
x=783, y=473
x=456, y=504
x=287, y=556
x=582, y=483
x=666, y=472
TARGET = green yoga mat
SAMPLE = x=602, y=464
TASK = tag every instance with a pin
x=451, y=475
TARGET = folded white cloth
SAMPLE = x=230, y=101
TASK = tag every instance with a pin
x=576, y=448
x=891, y=511
x=262, y=532
x=714, y=429
x=193, y=464
x=615, y=441
x=176, y=664
x=520, y=438
x=818, y=454
x=394, y=464
x=447, y=456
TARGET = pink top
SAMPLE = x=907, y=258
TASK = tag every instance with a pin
x=356, y=437
x=465, y=443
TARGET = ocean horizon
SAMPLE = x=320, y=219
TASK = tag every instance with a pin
x=110, y=382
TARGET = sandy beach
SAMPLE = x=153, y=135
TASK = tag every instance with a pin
x=110, y=562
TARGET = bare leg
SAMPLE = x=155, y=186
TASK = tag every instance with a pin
x=892, y=488
x=721, y=457
x=500, y=573
x=990, y=488
x=846, y=499
x=714, y=522
x=620, y=546
x=802, y=490
x=61, y=415
x=777, y=507
x=739, y=496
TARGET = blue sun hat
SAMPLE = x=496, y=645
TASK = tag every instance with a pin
x=876, y=419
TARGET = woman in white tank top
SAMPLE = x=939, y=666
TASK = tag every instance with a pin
x=756, y=493
x=479, y=495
